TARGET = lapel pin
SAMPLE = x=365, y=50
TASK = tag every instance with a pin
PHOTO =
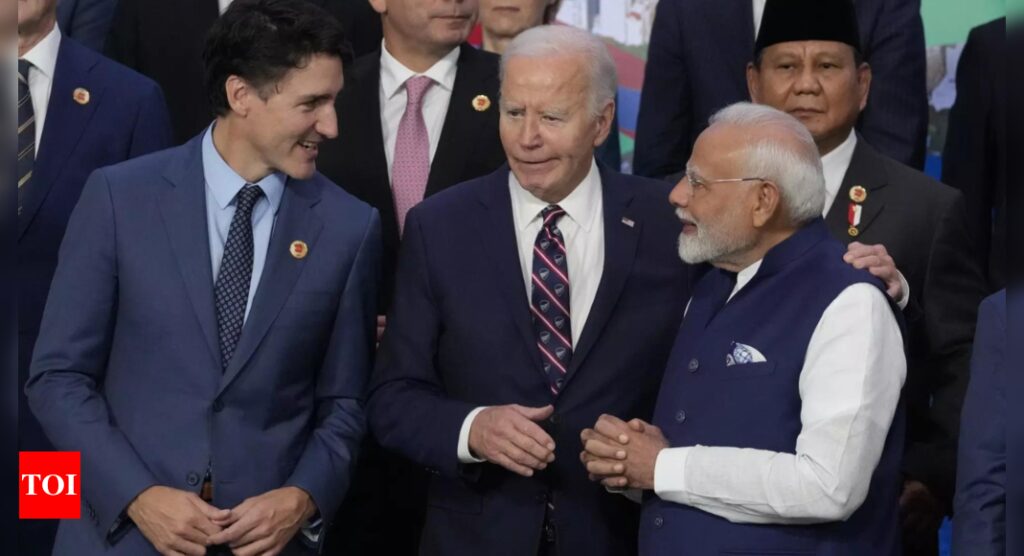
x=298, y=249
x=628, y=222
x=853, y=217
x=81, y=96
x=858, y=194
x=481, y=103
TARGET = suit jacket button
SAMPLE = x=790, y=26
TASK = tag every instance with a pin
x=680, y=416
x=658, y=521
x=192, y=478
x=694, y=365
x=218, y=406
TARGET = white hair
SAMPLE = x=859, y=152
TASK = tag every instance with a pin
x=794, y=166
x=547, y=41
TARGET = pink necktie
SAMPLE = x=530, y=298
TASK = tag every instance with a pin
x=411, y=165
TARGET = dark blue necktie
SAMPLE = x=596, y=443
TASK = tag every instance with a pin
x=549, y=300
x=231, y=292
x=26, y=133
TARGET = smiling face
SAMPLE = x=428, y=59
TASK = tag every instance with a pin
x=547, y=127
x=285, y=123
x=818, y=82
x=508, y=18
x=428, y=25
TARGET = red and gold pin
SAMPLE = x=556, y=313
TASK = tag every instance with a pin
x=858, y=194
x=81, y=96
x=853, y=217
x=298, y=249
x=481, y=103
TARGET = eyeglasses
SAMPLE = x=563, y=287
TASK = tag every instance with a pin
x=700, y=184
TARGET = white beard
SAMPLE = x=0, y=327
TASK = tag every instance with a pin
x=710, y=243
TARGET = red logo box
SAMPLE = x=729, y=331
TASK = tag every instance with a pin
x=49, y=485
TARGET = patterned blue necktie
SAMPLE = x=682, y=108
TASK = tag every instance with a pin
x=549, y=300
x=26, y=133
x=231, y=292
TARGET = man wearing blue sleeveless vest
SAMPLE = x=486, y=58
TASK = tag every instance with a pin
x=778, y=427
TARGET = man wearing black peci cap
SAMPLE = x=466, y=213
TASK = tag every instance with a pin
x=808, y=62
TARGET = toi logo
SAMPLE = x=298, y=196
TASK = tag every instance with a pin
x=49, y=485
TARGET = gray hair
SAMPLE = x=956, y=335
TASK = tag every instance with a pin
x=562, y=40
x=794, y=166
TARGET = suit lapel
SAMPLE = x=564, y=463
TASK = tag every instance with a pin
x=65, y=123
x=497, y=233
x=460, y=123
x=620, y=242
x=183, y=209
x=296, y=220
x=868, y=171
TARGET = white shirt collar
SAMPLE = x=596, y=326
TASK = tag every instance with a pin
x=578, y=205
x=43, y=56
x=744, y=276
x=835, y=163
x=394, y=74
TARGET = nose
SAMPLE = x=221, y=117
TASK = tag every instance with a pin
x=529, y=133
x=807, y=82
x=327, y=124
x=680, y=194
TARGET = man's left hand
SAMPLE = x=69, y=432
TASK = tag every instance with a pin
x=264, y=524
x=922, y=515
x=621, y=454
x=878, y=262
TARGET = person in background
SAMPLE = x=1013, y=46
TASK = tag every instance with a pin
x=77, y=111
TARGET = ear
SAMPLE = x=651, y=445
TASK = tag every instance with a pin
x=767, y=204
x=604, y=123
x=863, y=84
x=240, y=95
x=753, y=85
x=379, y=6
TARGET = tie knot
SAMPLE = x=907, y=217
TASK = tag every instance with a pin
x=551, y=214
x=23, y=67
x=416, y=87
x=247, y=197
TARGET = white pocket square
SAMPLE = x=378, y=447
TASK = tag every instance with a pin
x=743, y=354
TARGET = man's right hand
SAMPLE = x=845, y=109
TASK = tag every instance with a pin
x=508, y=435
x=175, y=521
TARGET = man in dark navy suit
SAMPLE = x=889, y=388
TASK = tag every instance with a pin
x=528, y=302
x=77, y=111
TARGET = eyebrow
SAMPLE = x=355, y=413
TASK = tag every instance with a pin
x=311, y=98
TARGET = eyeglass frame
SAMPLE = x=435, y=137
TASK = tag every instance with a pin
x=694, y=184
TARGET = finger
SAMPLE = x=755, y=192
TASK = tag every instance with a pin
x=211, y=512
x=615, y=482
x=237, y=530
x=533, y=430
x=604, y=450
x=866, y=261
x=187, y=547
x=512, y=466
x=256, y=547
x=588, y=434
x=509, y=448
x=637, y=425
x=534, y=413
x=526, y=431
x=613, y=428
x=605, y=468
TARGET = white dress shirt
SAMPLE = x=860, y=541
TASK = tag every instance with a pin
x=758, y=15
x=849, y=388
x=43, y=57
x=393, y=75
x=583, y=230
x=222, y=5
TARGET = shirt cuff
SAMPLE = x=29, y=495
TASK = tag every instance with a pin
x=312, y=528
x=670, y=473
x=465, y=456
x=905, y=288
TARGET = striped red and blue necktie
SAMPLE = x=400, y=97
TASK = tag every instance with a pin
x=549, y=300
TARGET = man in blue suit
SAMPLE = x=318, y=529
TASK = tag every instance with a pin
x=979, y=516
x=77, y=111
x=696, y=61
x=528, y=302
x=209, y=331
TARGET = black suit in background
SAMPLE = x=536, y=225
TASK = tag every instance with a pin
x=974, y=160
x=922, y=223
x=385, y=509
x=164, y=40
x=697, y=60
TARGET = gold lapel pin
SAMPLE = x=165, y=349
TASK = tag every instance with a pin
x=853, y=231
x=858, y=194
x=298, y=249
x=81, y=96
x=481, y=103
